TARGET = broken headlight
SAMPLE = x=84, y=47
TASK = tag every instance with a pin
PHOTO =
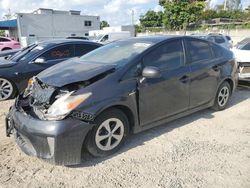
x=64, y=105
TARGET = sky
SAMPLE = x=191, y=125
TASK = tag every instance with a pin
x=116, y=12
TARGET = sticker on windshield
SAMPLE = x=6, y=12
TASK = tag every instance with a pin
x=144, y=45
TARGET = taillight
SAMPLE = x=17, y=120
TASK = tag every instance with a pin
x=1, y=43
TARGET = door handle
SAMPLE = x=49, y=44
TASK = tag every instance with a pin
x=184, y=79
x=216, y=68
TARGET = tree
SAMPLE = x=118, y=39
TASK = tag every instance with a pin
x=178, y=14
x=104, y=24
x=152, y=19
x=2, y=32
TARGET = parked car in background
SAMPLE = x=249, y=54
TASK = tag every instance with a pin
x=18, y=69
x=76, y=37
x=8, y=44
x=219, y=39
x=124, y=87
x=8, y=53
x=242, y=54
x=111, y=36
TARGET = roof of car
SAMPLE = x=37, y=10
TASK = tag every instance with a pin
x=152, y=39
x=63, y=41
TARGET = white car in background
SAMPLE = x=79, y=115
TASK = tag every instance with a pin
x=222, y=40
x=242, y=54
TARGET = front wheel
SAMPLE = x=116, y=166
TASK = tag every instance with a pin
x=6, y=89
x=111, y=129
x=222, y=96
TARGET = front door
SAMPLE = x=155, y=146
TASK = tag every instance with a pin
x=168, y=95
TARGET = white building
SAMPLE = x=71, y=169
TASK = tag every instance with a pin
x=44, y=24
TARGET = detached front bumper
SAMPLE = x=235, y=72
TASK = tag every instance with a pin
x=58, y=142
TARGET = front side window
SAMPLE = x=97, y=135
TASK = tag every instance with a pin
x=60, y=52
x=167, y=56
x=199, y=50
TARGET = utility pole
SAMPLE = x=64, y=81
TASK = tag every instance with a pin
x=225, y=4
x=133, y=14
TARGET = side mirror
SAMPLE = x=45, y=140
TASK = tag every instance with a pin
x=151, y=72
x=39, y=60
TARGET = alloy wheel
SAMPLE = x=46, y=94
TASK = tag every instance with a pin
x=109, y=134
x=223, y=96
x=6, y=89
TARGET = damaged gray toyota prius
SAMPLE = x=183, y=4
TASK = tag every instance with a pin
x=94, y=102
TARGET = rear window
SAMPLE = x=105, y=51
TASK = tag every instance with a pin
x=228, y=38
x=199, y=50
x=219, y=39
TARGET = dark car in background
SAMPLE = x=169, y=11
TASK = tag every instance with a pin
x=93, y=103
x=19, y=68
x=8, y=53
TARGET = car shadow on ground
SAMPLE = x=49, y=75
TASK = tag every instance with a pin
x=139, y=139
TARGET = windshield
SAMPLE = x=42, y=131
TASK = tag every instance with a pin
x=99, y=37
x=26, y=52
x=242, y=43
x=118, y=53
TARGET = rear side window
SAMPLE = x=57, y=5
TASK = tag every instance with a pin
x=81, y=49
x=167, y=56
x=199, y=50
x=60, y=52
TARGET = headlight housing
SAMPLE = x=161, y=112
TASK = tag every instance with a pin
x=64, y=105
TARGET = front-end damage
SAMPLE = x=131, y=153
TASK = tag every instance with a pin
x=244, y=73
x=59, y=138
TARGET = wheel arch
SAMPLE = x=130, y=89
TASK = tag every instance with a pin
x=126, y=110
x=230, y=81
x=6, y=48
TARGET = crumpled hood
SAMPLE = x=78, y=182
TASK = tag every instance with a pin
x=72, y=71
x=6, y=63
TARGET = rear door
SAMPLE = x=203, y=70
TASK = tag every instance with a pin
x=205, y=72
x=168, y=95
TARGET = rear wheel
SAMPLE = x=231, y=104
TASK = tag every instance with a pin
x=222, y=97
x=111, y=129
x=6, y=89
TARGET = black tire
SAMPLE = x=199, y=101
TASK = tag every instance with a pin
x=225, y=86
x=13, y=92
x=91, y=143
